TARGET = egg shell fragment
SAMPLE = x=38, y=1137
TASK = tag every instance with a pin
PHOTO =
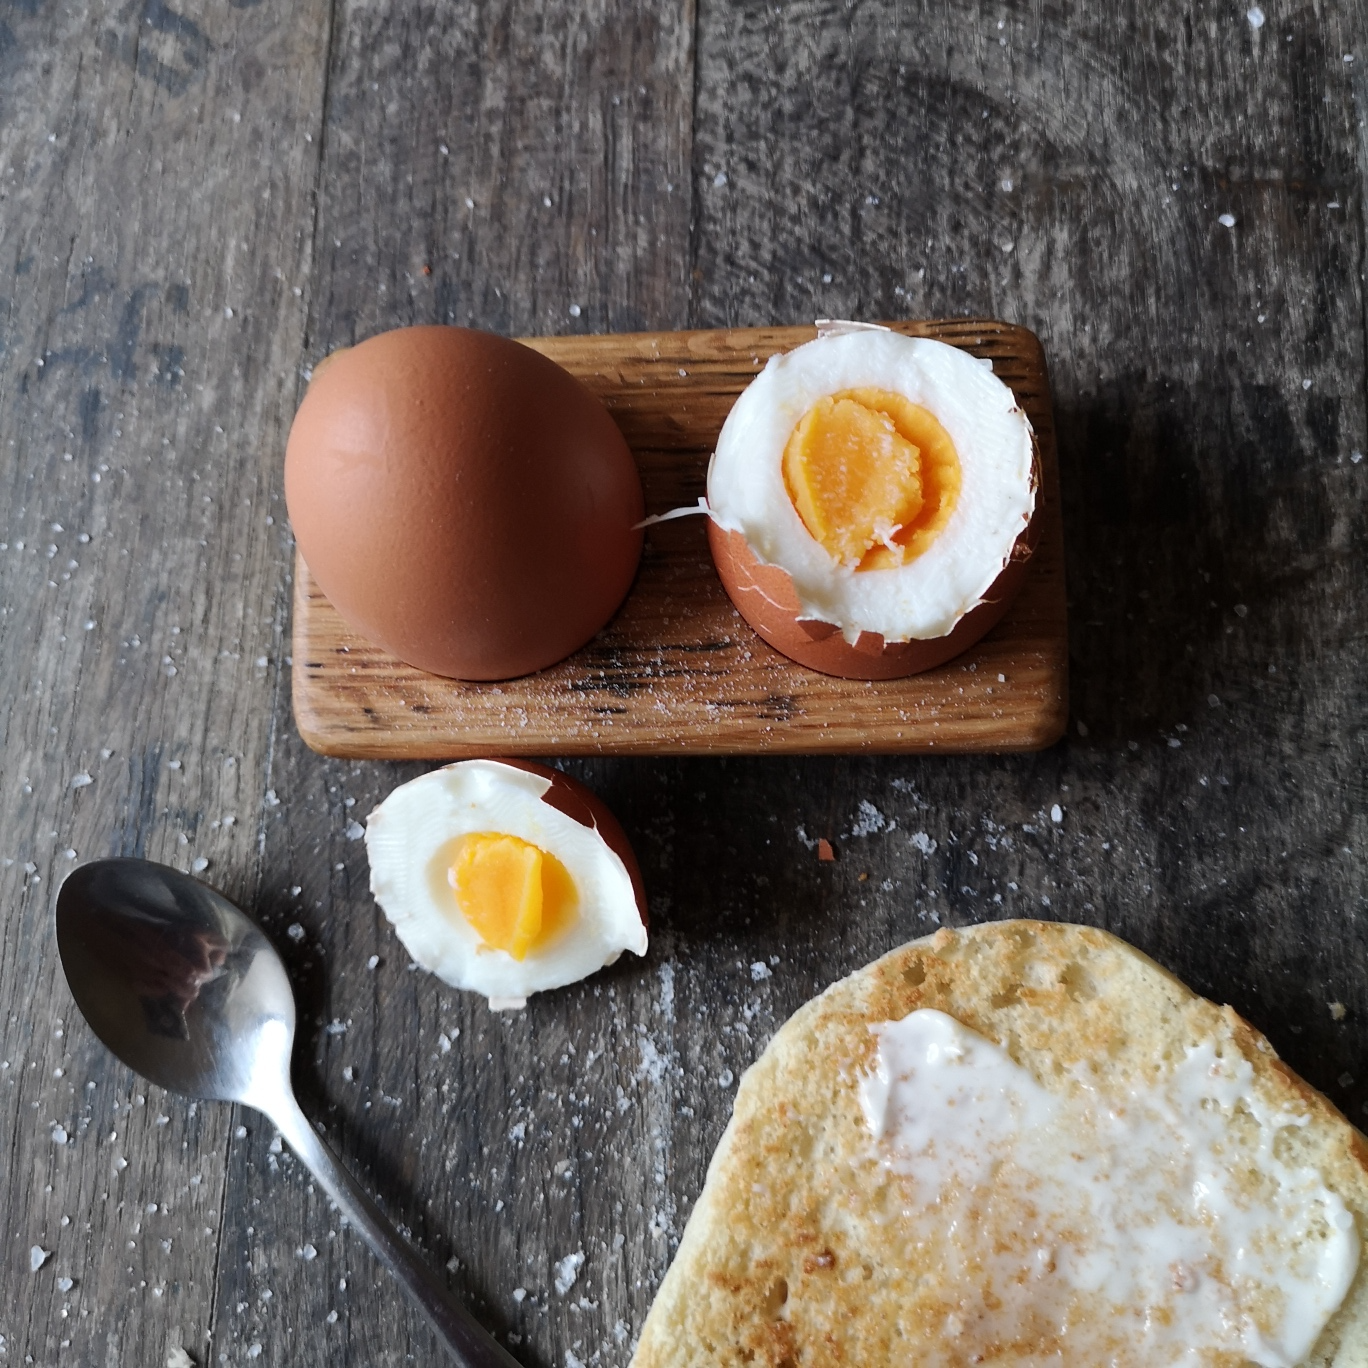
x=463, y=501
x=408, y=833
x=881, y=623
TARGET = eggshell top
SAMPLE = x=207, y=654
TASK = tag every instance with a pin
x=407, y=838
x=463, y=501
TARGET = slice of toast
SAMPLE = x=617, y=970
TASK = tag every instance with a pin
x=797, y=1254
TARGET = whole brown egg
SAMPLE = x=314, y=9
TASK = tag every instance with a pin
x=463, y=501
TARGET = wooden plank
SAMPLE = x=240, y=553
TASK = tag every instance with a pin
x=157, y=170
x=500, y=1141
x=678, y=671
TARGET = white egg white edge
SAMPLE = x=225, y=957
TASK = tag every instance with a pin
x=925, y=598
x=405, y=833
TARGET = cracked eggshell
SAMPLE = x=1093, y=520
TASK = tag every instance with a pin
x=765, y=597
x=407, y=835
x=881, y=623
x=463, y=501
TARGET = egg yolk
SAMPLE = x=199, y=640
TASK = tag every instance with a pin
x=513, y=893
x=873, y=476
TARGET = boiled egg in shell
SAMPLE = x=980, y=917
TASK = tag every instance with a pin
x=889, y=480
x=505, y=878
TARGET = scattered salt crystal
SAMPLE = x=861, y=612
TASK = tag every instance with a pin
x=725, y=1078
x=575, y=311
x=81, y=780
x=720, y=179
x=59, y=1135
x=331, y=1318
x=65, y=1284
x=38, y=1256
x=373, y=962
x=176, y=1357
x=519, y=1294
x=240, y=1133
x=120, y=1163
x=336, y=1027
x=271, y=800
x=444, y=1043
x=1056, y=814
x=759, y=971
x=1338, y=1011
x=198, y=865
x=1226, y=220
x=921, y=841
x=277, y=1146
x=355, y=831
x=566, y=1271
x=308, y=1253
x=254, y=1349
x=295, y=931
x=869, y=819
x=1255, y=16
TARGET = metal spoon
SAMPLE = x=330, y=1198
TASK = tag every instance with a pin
x=187, y=991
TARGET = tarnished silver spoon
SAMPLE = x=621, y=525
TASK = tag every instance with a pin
x=186, y=990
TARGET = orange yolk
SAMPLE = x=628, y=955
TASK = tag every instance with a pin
x=873, y=476
x=513, y=893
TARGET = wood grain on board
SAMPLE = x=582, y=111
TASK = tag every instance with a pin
x=678, y=670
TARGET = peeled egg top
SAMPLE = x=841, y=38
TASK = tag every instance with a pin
x=889, y=476
x=463, y=501
x=505, y=878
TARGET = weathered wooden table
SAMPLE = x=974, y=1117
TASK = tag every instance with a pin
x=197, y=201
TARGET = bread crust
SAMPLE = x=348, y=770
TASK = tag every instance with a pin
x=790, y=1258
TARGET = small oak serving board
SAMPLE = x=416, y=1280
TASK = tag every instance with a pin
x=678, y=671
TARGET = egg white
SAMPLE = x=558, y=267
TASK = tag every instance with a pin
x=928, y=595
x=406, y=833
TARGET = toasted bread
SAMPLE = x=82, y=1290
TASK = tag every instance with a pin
x=795, y=1256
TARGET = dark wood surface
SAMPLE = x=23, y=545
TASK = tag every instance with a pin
x=678, y=671
x=199, y=200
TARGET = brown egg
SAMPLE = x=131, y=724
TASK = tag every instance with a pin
x=463, y=501
x=873, y=502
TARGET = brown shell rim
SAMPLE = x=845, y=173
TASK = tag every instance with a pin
x=898, y=659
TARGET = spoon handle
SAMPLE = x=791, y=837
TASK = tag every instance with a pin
x=470, y=1345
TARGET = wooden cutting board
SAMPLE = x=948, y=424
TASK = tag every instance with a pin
x=678, y=671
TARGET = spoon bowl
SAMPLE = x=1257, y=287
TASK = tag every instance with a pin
x=178, y=982
x=187, y=991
